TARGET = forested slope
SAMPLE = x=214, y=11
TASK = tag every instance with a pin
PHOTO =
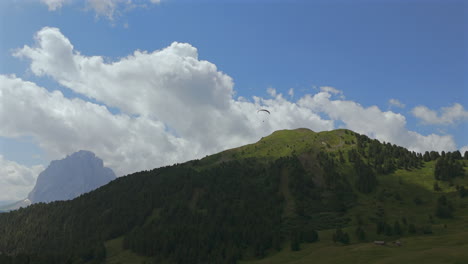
x=244, y=203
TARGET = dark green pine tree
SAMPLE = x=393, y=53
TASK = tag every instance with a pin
x=340, y=236
x=360, y=233
x=295, y=241
x=434, y=155
x=444, y=208
x=388, y=230
x=366, y=180
x=397, y=228
x=456, y=155
x=310, y=236
x=345, y=240
x=462, y=191
x=380, y=227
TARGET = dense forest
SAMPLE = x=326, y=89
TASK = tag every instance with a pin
x=229, y=206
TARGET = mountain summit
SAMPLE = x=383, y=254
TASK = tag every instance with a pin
x=70, y=177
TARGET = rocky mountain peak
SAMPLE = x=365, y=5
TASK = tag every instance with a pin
x=70, y=177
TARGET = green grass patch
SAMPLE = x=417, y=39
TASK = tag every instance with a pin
x=450, y=247
x=285, y=143
x=115, y=254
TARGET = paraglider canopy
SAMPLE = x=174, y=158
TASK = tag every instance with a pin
x=263, y=115
x=263, y=110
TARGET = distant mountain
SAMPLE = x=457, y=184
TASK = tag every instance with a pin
x=70, y=177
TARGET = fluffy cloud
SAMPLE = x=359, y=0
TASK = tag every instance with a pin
x=129, y=143
x=330, y=90
x=171, y=85
x=62, y=126
x=271, y=91
x=396, y=103
x=291, y=92
x=54, y=4
x=16, y=180
x=105, y=8
x=385, y=126
x=463, y=149
x=448, y=115
x=173, y=107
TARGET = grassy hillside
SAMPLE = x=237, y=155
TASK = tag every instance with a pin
x=284, y=143
x=449, y=246
x=448, y=242
x=295, y=196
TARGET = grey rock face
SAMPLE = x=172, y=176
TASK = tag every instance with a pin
x=68, y=178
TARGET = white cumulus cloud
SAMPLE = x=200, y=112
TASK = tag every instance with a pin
x=173, y=106
x=445, y=116
x=105, y=8
x=396, y=103
x=463, y=149
x=190, y=96
x=329, y=89
x=129, y=143
x=54, y=4
x=16, y=180
x=62, y=126
x=291, y=92
x=271, y=91
x=385, y=126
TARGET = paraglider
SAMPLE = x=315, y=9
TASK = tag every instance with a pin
x=263, y=110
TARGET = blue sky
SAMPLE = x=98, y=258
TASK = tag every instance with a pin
x=336, y=64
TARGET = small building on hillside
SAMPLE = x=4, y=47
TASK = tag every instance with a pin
x=379, y=243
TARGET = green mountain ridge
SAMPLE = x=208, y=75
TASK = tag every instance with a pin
x=292, y=197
